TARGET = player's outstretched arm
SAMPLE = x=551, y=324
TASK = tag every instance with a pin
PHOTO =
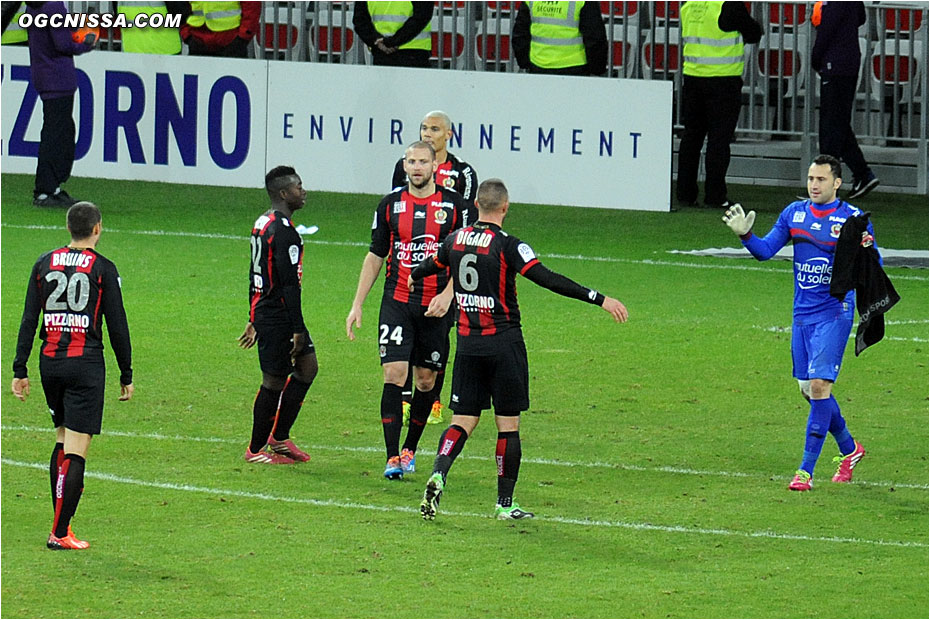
x=616, y=309
x=21, y=388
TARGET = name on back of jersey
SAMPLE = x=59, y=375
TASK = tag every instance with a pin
x=473, y=238
x=70, y=259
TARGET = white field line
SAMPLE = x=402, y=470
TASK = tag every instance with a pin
x=777, y=329
x=536, y=461
x=676, y=529
x=581, y=257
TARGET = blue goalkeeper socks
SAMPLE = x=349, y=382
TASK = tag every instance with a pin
x=844, y=440
x=818, y=422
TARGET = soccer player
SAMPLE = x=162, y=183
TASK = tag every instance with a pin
x=285, y=351
x=490, y=357
x=821, y=323
x=409, y=223
x=75, y=288
x=451, y=172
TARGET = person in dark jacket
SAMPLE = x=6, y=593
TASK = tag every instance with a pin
x=836, y=57
x=560, y=38
x=51, y=60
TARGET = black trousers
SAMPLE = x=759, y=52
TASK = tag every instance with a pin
x=837, y=95
x=709, y=108
x=401, y=58
x=56, y=145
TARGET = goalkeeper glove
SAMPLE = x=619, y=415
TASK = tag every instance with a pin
x=739, y=222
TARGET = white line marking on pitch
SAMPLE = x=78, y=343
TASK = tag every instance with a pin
x=581, y=257
x=778, y=329
x=676, y=529
x=535, y=461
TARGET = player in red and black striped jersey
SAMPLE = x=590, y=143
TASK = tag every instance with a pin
x=490, y=356
x=276, y=322
x=408, y=226
x=75, y=289
x=451, y=172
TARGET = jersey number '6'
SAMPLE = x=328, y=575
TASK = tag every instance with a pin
x=77, y=287
x=468, y=275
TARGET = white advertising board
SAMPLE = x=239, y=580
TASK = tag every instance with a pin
x=553, y=140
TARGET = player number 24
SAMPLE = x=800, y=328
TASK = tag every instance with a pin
x=397, y=336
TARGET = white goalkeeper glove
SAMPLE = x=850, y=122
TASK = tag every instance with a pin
x=739, y=222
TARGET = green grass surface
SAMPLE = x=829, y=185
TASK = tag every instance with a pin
x=656, y=453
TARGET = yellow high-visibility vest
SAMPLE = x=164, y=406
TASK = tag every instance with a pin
x=555, y=40
x=218, y=16
x=709, y=51
x=148, y=40
x=388, y=17
x=14, y=32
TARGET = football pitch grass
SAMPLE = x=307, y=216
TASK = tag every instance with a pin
x=656, y=453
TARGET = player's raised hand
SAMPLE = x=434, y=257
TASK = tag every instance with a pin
x=439, y=305
x=616, y=309
x=355, y=316
x=248, y=337
x=126, y=391
x=21, y=388
x=410, y=283
x=738, y=221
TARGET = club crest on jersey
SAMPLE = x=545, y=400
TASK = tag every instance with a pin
x=400, y=207
x=799, y=217
x=382, y=351
x=835, y=230
x=440, y=216
x=448, y=182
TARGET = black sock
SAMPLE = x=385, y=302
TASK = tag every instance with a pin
x=391, y=417
x=450, y=446
x=407, y=394
x=508, y=456
x=437, y=387
x=58, y=455
x=291, y=399
x=263, y=415
x=419, y=414
x=68, y=492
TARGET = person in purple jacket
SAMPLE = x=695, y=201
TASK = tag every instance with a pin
x=51, y=58
x=836, y=57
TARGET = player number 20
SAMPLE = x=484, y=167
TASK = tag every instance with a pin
x=468, y=275
x=397, y=336
x=68, y=293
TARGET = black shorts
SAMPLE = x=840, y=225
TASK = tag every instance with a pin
x=406, y=335
x=505, y=377
x=75, y=397
x=275, y=341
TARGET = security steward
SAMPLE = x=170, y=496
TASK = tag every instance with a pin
x=713, y=34
x=397, y=33
x=221, y=28
x=560, y=38
x=150, y=40
x=13, y=33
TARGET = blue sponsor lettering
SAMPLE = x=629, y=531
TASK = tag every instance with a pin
x=236, y=157
x=456, y=140
x=576, y=141
x=485, y=136
x=397, y=126
x=18, y=145
x=288, y=125
x=514, y=138
x=168, y=115
x=316, y=127
x=635, y=136
x=85, y=125
x=128, y=119
x=346, y=127
x=546, y=140
x=607, y=144
x=371, y=130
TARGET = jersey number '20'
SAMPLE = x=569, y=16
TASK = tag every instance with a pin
x=77, y=288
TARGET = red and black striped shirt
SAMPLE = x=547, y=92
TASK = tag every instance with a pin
x=407, y=230
x=74, y=290
x=276, y=271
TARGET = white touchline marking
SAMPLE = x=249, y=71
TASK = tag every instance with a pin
x=535, y=461
x=581, y=257
x=677, y=529
x=777, y=329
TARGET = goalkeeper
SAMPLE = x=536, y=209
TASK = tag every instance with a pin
x=821, y=323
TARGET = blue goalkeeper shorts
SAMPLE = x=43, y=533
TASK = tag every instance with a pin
x=817, y=349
